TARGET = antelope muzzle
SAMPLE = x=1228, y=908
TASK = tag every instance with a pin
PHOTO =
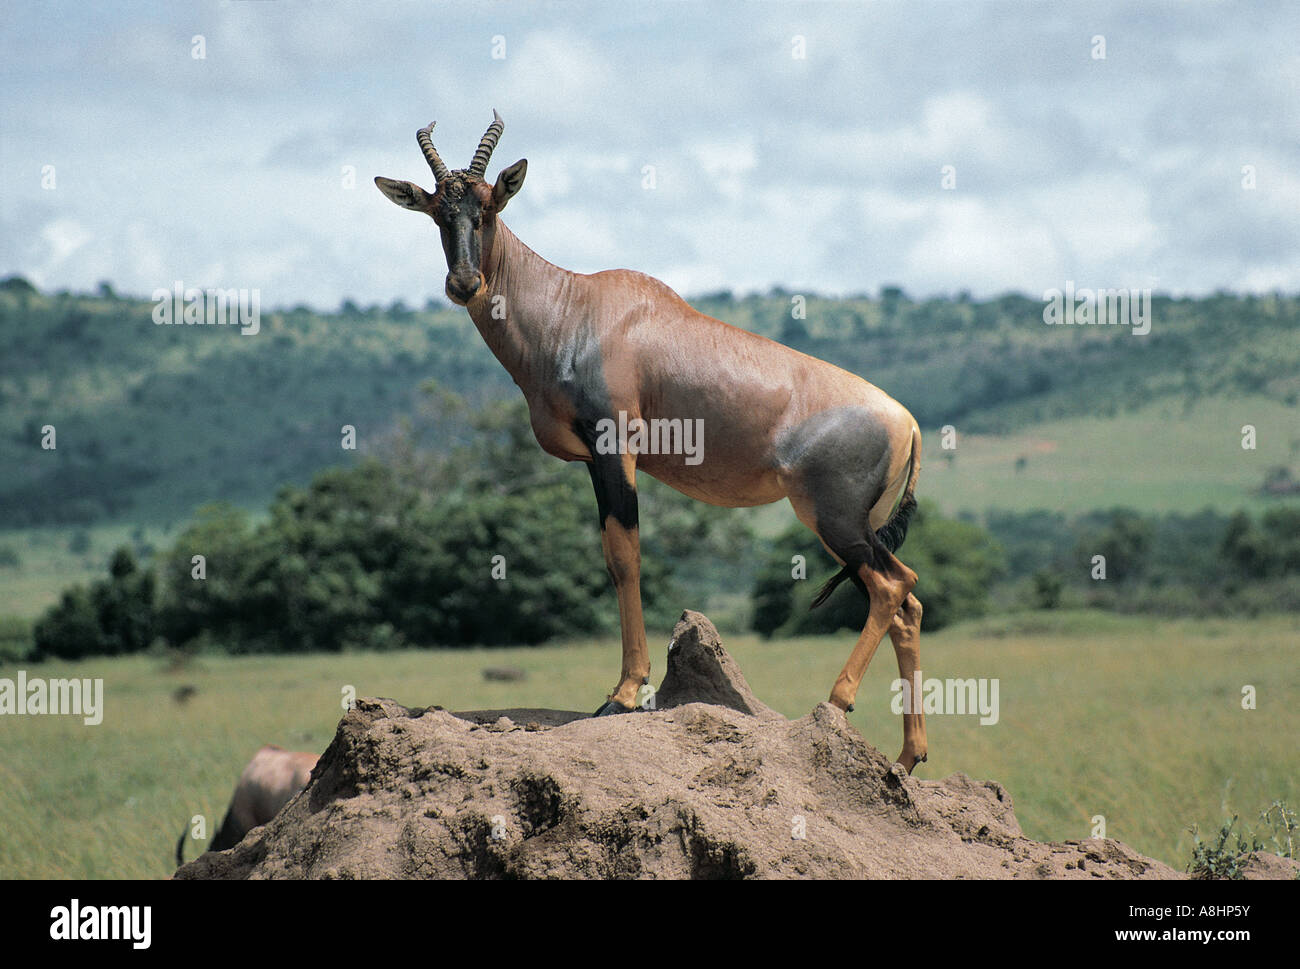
x=463, y=284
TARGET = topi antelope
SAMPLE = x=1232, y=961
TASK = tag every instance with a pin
x=268, y=783
x=618, y=347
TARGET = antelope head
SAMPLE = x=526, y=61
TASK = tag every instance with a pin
x=463, y=206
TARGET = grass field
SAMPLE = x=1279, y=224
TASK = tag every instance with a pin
x=48, y=565
x=1163, y=457
x=1134, y=719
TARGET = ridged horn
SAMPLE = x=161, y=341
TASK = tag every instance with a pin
x=425, y=138
x=478, y=167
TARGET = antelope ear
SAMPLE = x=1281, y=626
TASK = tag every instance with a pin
x=510, y=181
x=406, y=194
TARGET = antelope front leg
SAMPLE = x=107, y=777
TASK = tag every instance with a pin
x=614, y=478
x=905, y=632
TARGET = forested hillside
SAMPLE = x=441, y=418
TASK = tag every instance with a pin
x=152, y=421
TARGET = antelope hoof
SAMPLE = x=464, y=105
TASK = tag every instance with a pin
x=612, y=707
x=909, y=761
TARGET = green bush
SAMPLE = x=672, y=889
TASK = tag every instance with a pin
x=1125, y=540
x=193, y=608
x=405, y=553
x=1047, y=589
x=15, y=639
x=1264, y=549
x=109, y=617
x=1216, y=860
x=550, y=579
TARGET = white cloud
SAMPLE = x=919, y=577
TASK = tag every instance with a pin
x=968, y=239
x=1101, y=220
x=820, y=174
x=61, y=239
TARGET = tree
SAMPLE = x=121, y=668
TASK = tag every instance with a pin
x=19, y=286
x=794, y=332
x=491, y=543
x=108, y=618
x=211, y=603
x=1125, y=541
x=1047, y=589
x=1265, y=549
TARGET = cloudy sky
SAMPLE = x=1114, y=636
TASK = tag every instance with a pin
x=800, y=144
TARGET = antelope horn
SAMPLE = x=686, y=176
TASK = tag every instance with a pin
x=478, y=167
x=425, y=139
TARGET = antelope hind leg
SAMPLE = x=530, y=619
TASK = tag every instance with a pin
x=887, y=589
x=905, y=632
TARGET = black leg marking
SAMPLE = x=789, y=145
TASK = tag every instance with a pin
x=615, y=494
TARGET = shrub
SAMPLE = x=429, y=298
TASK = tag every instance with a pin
x=109, y=617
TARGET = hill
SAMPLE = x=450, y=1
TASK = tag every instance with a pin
x=153, y=421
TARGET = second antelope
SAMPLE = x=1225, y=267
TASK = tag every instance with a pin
x=267, y=783
x=619, y=347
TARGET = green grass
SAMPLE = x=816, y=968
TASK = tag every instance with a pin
x=47, y=566
x=1135, y=719
x=1162, y=457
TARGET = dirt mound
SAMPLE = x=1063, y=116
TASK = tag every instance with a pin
x=713, y=784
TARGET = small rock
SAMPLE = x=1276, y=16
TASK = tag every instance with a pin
x=504, y=674
x=700, y=670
